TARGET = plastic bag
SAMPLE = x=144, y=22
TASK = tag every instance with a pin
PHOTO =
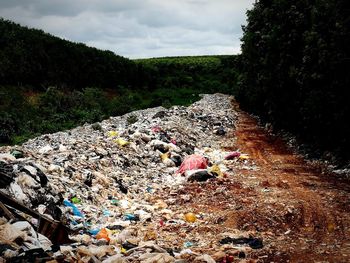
x=193, y=162
x=103, y=234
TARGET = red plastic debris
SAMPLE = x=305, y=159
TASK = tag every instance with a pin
x=161, y=223
x=232, y=155
x=193, y=162
x=156, y=129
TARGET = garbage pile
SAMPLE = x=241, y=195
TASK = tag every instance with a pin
x=104, y=183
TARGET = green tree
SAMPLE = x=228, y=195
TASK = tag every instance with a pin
x=295, y=61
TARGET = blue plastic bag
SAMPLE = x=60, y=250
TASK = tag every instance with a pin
x=76, y=211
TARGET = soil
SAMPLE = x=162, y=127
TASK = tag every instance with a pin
x=301, y=212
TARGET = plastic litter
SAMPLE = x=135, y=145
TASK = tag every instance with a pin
x=131, y=217
x=255, y=243
x=124, y=196
x=121, y=142
x=17, y=154
x=76, y=211
x=204, y=258
x=103, y=234
x=156, y=258
x=188, y=244
x=220, y=131
x=190, y=217
x=75, y=200
x=232, y=155
x=244, y=157
x=215, y=169
x=193, y=162
x=115, y=259
x=200, y=176
x=113, y=133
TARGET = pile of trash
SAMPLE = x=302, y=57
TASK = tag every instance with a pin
x=102, y=182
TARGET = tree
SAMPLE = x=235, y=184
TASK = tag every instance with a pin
x=295, y=61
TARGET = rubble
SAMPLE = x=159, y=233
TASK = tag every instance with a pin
x=123, y=190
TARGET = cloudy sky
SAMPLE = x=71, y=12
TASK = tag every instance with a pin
x=138, y=28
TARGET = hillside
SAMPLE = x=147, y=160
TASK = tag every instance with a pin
x=48, y=84
x=31, y=57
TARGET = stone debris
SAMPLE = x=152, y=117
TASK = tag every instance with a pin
x=105, y=185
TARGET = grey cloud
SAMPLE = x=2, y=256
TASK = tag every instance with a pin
x=136, y=28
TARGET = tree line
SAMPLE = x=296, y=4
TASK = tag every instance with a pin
x=31, y=57
x=295, y=70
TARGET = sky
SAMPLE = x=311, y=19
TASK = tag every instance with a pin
x=138, y=28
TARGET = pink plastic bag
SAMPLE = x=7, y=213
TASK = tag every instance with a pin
x=193, y=162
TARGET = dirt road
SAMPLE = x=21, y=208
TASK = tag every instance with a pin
x=302, y=214
x=313, y=205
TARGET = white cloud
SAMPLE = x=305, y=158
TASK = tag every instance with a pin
x=136, y=28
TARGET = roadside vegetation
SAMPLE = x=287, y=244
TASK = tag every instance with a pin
x=295, y=70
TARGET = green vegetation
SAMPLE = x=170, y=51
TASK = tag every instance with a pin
x=48, y=84
x=208, y=74
x=32, y=57
x=295, y=69
x=26, y=113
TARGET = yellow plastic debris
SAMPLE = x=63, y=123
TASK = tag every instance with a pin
x=216, y=169
x=190, y=217
x=165, y=156
x=121, y=142
x=122, y=250
x=244, y=157
x=112, y=133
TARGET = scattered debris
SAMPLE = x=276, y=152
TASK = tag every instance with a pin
x=254, y=243
x=156, y=185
